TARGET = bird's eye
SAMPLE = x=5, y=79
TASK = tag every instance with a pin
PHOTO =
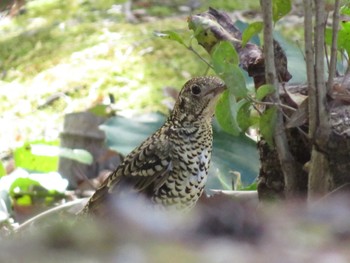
x=196, y=90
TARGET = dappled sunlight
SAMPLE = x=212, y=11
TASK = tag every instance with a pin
x=61, y=57
x=92, y=166
x=118, y=64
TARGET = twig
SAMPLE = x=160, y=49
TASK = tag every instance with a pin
x=51, y=212
x=271, y=103
x=298, y=128
x=319, y=62
x=333, y=63
x=325, y=47
x=285, y=157
x=206, y=70
x=199, y=56
x=300, y=49
x=257, y=109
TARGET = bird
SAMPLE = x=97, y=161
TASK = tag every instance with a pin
x=170, y=168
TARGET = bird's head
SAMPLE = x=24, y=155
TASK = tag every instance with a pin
x=197, y=99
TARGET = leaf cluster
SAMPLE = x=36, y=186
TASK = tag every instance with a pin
x=236, y=111
x=343, y=38
x=35, y=183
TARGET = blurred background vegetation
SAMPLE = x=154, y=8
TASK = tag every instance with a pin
x=63, y=56
x=58, y=57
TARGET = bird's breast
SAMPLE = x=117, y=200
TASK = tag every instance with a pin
x=190, y=159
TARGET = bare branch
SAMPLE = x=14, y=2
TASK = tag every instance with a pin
x=333, y=63
x=280, y=105
x=320, y=177
x=286, y=159
x=190, y=48
x=309, y=54
x=325, y=46
x=319, y=61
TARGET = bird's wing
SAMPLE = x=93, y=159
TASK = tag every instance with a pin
x=145, y=165
x=143, y=170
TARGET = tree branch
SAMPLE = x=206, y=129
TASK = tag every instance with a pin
x=280, y=105
x=286, y=159
x=320, y=21
x=309, y=56
x=333, y=62
x=320, y=177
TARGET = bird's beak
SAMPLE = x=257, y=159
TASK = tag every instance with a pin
x=217, y=90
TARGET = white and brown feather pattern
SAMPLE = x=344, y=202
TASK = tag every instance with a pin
x=171, y=166
x=190, y=159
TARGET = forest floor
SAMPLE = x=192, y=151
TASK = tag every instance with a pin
x=58, y=57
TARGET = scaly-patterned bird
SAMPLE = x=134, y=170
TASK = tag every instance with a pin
x=171, y=166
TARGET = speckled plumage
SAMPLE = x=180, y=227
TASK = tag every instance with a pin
x=171, y=166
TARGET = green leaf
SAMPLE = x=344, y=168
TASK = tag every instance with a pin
x=251, y=187
x=23, y=185
x=264, y=90
x=267, y=125
x=25, y=158
x=123, y=134
x=50, y=181
x=225, y=61
x=280, y=8
x=345, y=10
x=224, y=53
x=252, y=30
x=79, y=155
x=2, y=169
x=226, y=114
x=171, y=35
x=102, y=110
x=344, y=37
x=242, y=26
x=24, y=200
x=232, y=153
x=37, y=186
x=235, y=81
x=328, y=36
x=244, y=119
